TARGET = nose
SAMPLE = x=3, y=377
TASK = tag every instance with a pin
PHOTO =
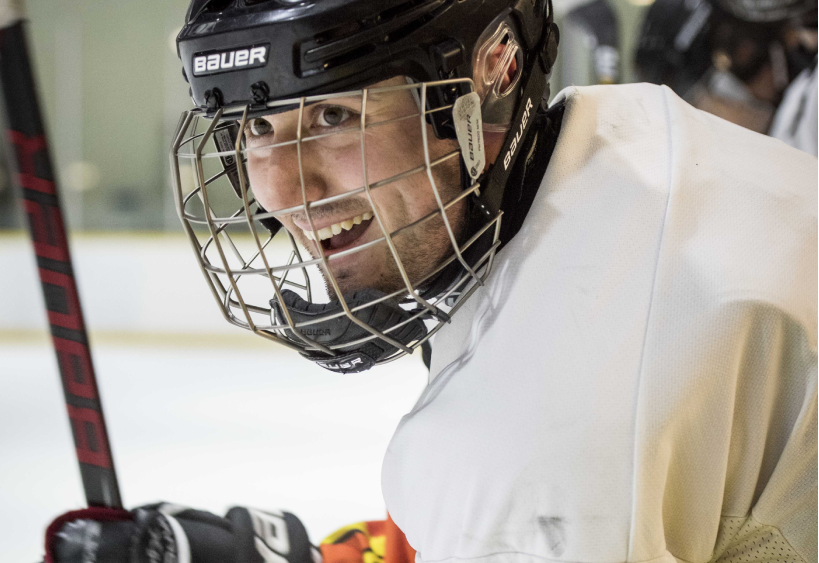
x=277, y=178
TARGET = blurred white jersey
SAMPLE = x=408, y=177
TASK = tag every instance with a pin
x=796, y=120
x=637, y=379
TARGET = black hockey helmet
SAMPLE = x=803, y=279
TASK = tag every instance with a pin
x=240, y=52
x=691, y=44
x=673, y=45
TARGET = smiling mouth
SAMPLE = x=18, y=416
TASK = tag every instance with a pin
x=342, y=235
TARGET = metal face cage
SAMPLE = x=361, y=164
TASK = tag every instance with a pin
x=250, y=262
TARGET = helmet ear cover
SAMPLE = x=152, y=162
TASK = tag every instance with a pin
x=497, y=53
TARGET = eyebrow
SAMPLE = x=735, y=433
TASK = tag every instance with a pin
x=356, y=99
x=377, y=96
x=373, y=96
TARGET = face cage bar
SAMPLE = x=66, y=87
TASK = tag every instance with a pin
x=230, y=298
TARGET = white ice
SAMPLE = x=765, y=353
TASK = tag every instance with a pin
x=208, y=429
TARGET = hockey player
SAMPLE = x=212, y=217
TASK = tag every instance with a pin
x=590, y=45
x=622, y=288
x=797, y=116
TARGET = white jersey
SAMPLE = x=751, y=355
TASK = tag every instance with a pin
x=637, y=379
x=796, y=120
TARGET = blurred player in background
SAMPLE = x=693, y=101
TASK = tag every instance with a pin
x=590, y=45
x=622, y=290
x=751, y=63
x=795, y=121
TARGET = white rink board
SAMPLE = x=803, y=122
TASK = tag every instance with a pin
x=134, y=283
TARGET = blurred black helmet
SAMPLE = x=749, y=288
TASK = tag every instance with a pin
x=592, y=26
x=673, y=46
x=767, y=10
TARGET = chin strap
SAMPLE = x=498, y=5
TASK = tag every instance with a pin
x=526, y=178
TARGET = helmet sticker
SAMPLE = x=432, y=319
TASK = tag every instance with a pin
x=519, y=135
x=216, y=62
x=468, y=127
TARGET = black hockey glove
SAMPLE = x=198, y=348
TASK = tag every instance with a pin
x=168, y=533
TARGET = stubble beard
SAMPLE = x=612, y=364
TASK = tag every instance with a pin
x=421, y=248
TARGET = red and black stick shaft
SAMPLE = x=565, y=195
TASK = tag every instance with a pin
x=34, y=176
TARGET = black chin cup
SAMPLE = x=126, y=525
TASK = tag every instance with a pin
x=340, y=330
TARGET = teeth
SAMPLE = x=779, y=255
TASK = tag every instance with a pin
x=336, y=228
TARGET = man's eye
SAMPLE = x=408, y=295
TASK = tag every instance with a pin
x=259, y=127
x=333, y=116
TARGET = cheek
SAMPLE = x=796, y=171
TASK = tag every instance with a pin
x=393, y=149
x=340, y=168
x=387, y=157
x=259, y=176
x=411, y=198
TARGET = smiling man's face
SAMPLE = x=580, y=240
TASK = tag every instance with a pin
x=332, y=165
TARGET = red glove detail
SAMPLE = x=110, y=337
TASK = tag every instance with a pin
x=91, y=513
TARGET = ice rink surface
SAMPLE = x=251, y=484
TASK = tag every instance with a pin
x=205, y=427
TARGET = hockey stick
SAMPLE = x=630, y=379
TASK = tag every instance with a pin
x=34, y=177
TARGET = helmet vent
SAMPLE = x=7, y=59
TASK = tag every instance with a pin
x=200, y=7
x=217, y=6
x=355, y=39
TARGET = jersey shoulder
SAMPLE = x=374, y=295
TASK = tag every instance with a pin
x=740, y=217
